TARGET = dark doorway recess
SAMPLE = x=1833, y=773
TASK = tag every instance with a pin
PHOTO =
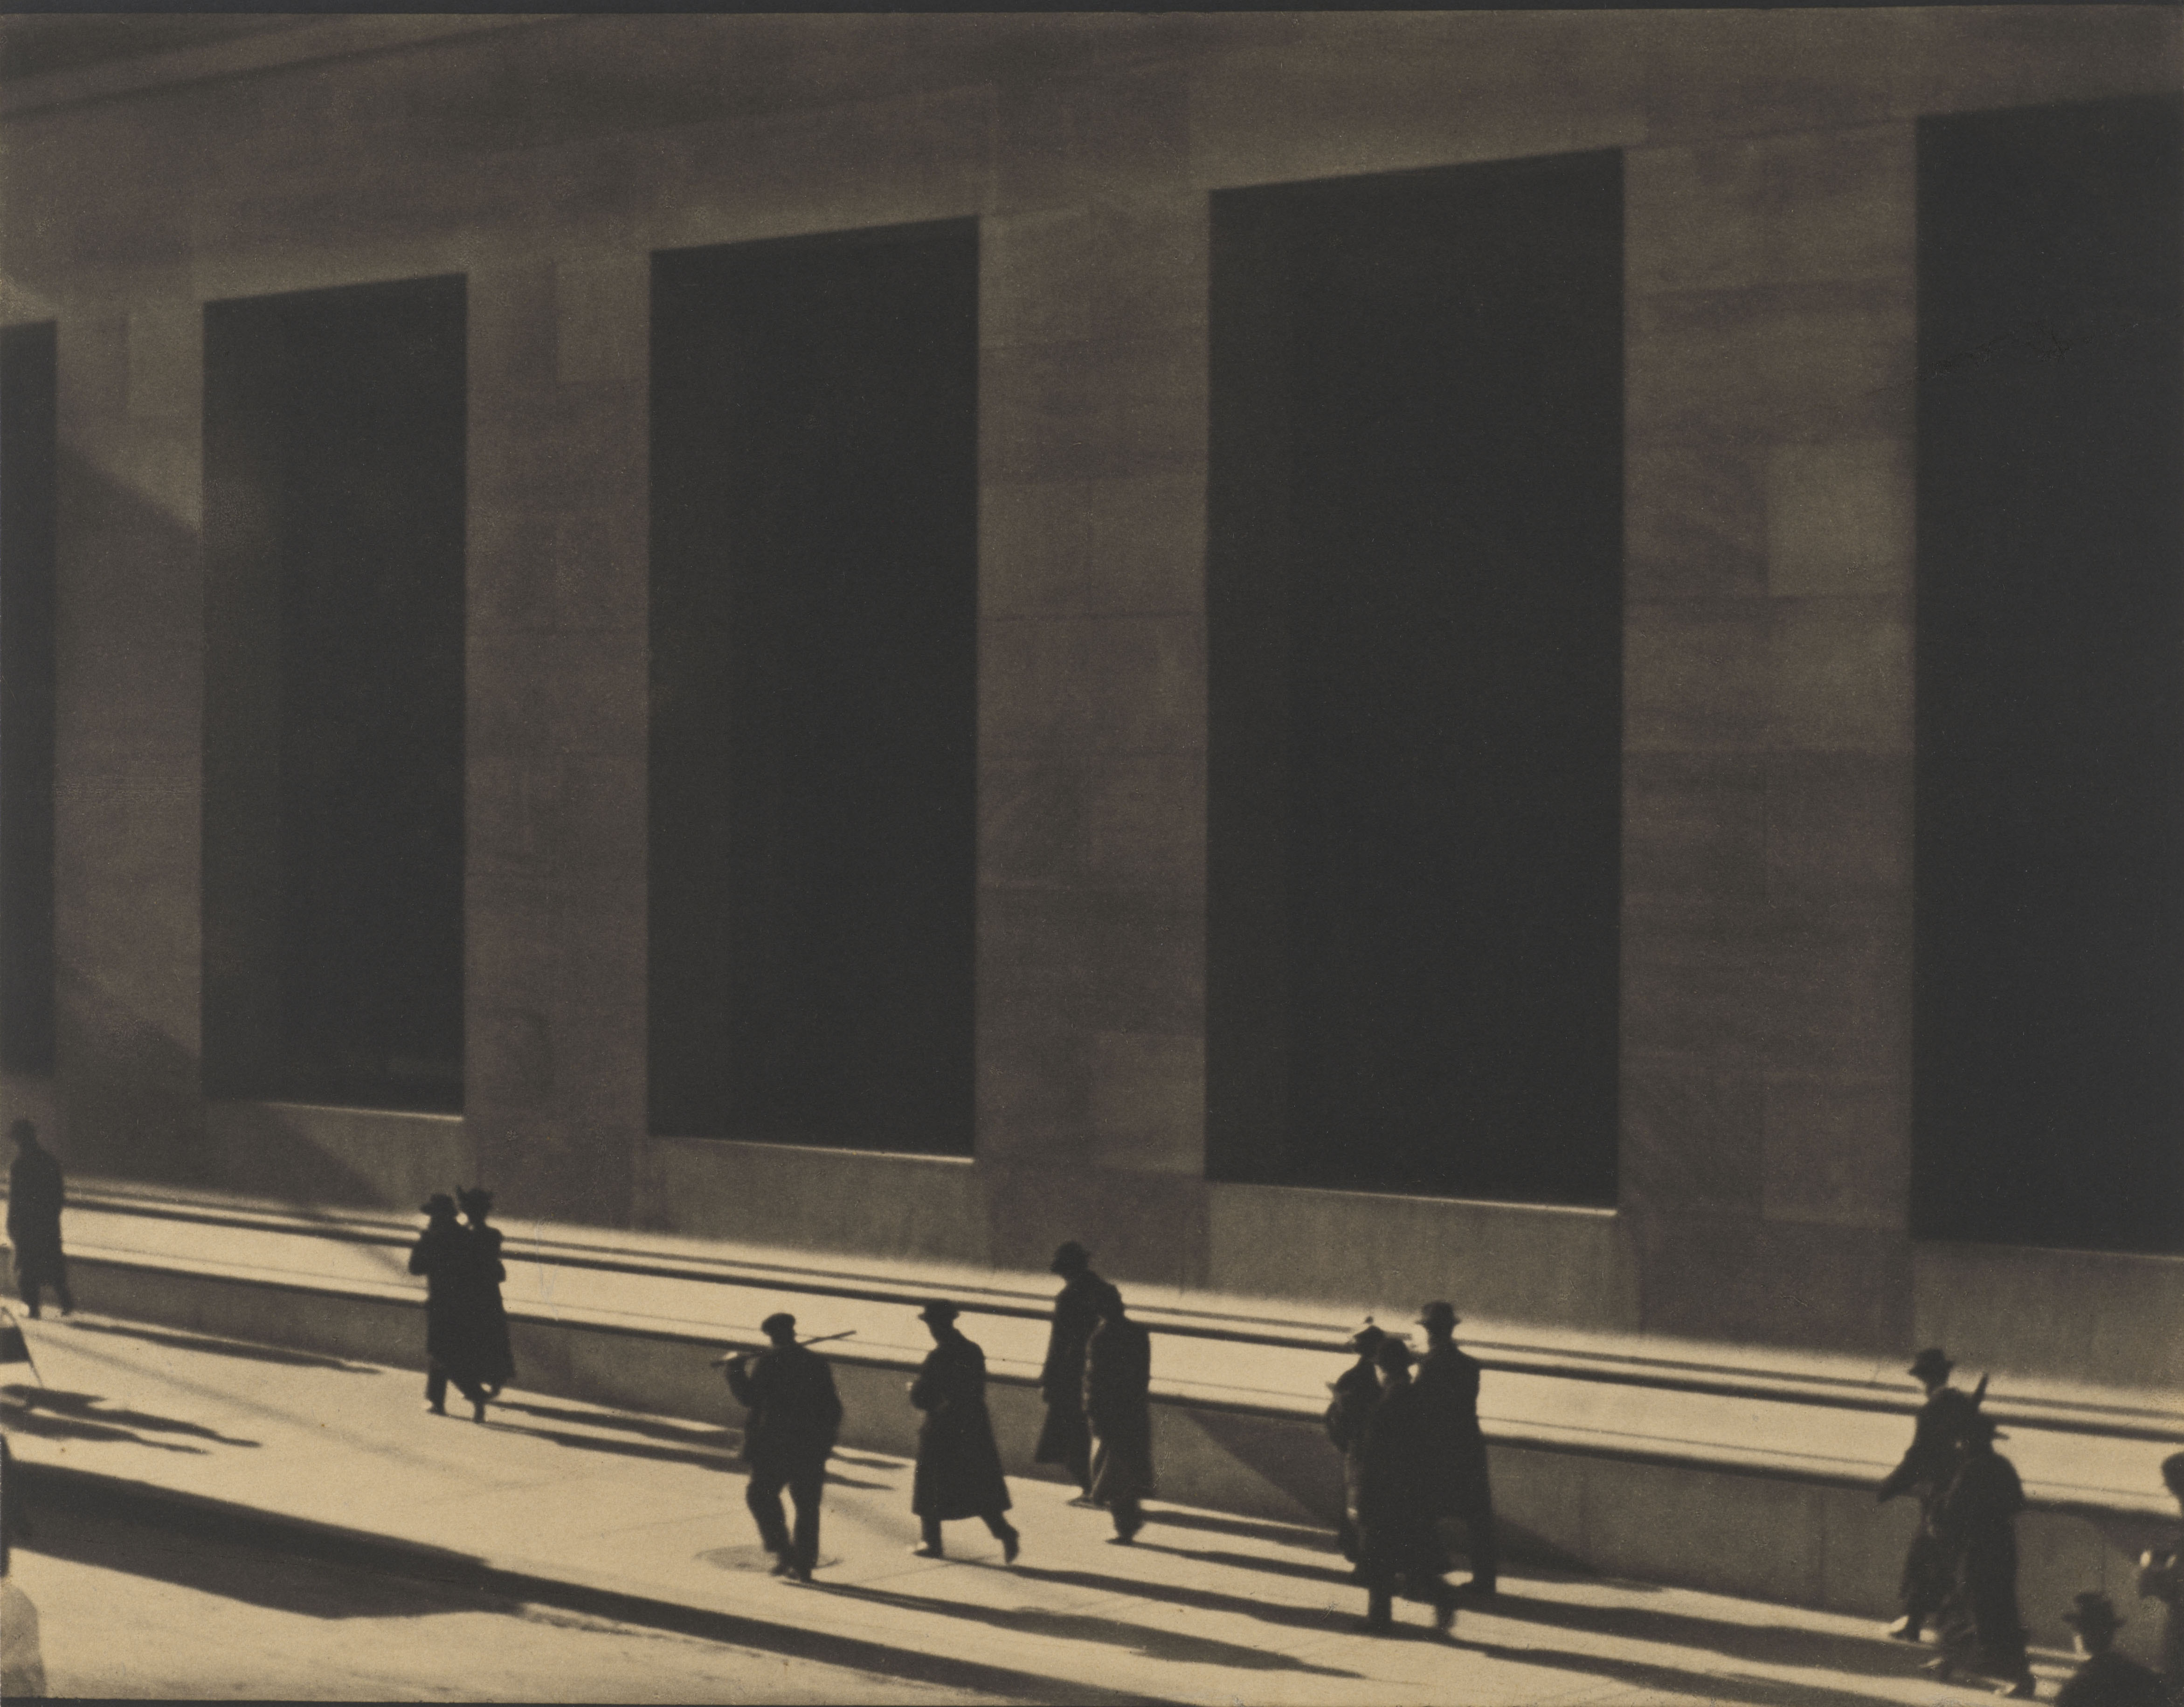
x=29, y=449
x=333, y=819
x=2048, y=1100
x=1415, y=602
x=813, y=689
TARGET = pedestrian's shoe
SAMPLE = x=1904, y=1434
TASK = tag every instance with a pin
x=799, y=1573
x=1905, y=1629
x=1444, y=1614
x=927, y=1550
x=1011, y=1544
x=435, y=1410
x=2024, y=1689
x=477, y=1410
x=1085, y=1502
x=783, y=1564
x=1942, y=1669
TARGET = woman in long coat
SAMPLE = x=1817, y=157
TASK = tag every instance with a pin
x=493, y=1361
x=442, y=1255
x=1117, y=1405
x=1398, y=1541
x=959, y=1468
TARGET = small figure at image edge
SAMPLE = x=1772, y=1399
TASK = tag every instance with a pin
x=959, y=1467
x=2105, y=1678
x=36, y=1196
x=2161, y=1577
x=795, y=1415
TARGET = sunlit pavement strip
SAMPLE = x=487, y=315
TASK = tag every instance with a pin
x=1205, y=1608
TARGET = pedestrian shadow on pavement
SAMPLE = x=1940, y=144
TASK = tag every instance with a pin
x=227, y=1348
x=1320, y=1619
x=1767, y=1644
x=720, y=1457
x=653, y=1428
x=1289, y=1534
x=1174, y=1645
x=57, y=1415
x=1337, y=1574
x=1741, y=1689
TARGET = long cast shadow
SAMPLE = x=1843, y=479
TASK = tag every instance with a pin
x=68, y=1428
x=1079, y=1626
x=229, y=1348
x=1318, y=1618
x=1706, y=1686
x=703, y=1458
x=1768, y=1644
x=84, y=1407
x=1334, y=1575
x=684, y=1434
x=1290, y=1535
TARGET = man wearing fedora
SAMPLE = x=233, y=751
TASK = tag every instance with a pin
x=1356, y=1391
x=1925, y=1470
x=1399, y=1544
x=794, y=1415
x=1448, y=1390
x=1065, y=1438
x=2107, y=1679
x=1981, y=1630
x=959, y=1468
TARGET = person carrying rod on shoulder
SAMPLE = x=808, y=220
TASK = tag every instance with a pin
x=795, y=1415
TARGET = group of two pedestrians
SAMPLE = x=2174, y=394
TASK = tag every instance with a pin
x=465, y=1322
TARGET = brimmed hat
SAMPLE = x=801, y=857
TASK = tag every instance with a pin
x=1933, y=1361
x=439, y=1203
x=2092, y=1611
x=1440, y=1313
x=1069, y=1257
x=1366, y=1340
x=780, y=1326
x=476, y=1200
x=1977, y=1425
x=2172, y=1472
x=939, y=1310
x=1392, y=1354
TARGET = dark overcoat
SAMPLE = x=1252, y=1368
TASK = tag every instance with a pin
x=1927, y=1466
x=1397, y=1534
x=959, y=1468
x=795, y=1413
x=1447, y=1383
x=1065, y=1437
x=1977, y=1521
x=488, y=1323
x=35, y=1195
x=1118, y=1362
x=439, y=1255
x=1357, y=1391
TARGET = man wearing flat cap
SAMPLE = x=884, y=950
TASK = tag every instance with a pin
x=1981, y=1630
x=2107, y=1679
x=794, y=1415
x=1448, y=1390
x=1065, y=1438
x=1926, y=1471
x=959, y=1468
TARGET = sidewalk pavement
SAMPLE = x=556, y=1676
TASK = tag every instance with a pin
x=641, y=1519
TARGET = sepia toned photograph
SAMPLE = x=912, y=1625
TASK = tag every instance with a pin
x=1227, y=858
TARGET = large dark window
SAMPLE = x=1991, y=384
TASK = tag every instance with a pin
x=1416, y=620
x=2049, y=1017
x=28, y=445
x=334, y=514
x=814, y=611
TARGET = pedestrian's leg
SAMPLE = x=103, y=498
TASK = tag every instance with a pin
x=1380, y=1604
x=1080, y=1466
x=1129, y=1517
x=928, y=1546
x=805, y=1487
x=61, y=1287
x=435, y=1391
x=1005, y=1532
x=1485, y=1555
x=474, y=1393
x=762, y=1495
x=26, y=1289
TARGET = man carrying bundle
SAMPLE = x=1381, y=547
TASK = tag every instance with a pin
x=794, y=1415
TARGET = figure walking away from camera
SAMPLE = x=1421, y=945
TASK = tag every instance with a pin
x=1399, y=1543
x=795, y=1414
x=2161, y=1577
x=495, y=1361
x=1981, y=1630
x=1448, y=1388
x=442, y=1255
x=959, y=1468
x=1064, y=1439
x=1118, y=1372
x=34, y=1193
x=1356, y=1391
x=1928, y=1465
x=2107, y=1678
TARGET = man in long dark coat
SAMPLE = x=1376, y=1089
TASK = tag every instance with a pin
x=1926, y=1469
x=959, y=1468
x=1981, y=1630
x=443, y=1254
x=2161, y=1577
x=1356, y=1391
x=1448, y=1385
x=1398, y=1539
x=1118, y=1372
x=35, y=1195
x=493, y=1361
x=795, y=1415
x=2107, y=1678
x=1064, y=1439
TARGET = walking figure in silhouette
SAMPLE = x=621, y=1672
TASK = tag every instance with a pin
x=2107, y=1679
x=1356, y=1391
x=959, y=1468
x=795, y=1414
x=1118, y=1370
x=1448, y=1388
x=1928, y=1465
x=2161, y=1577
x=1981, y=1630
x=495, y=1361
x=1064, y=1439
x=442, y=1255
x=35, y=1195
x=1399, y=1542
